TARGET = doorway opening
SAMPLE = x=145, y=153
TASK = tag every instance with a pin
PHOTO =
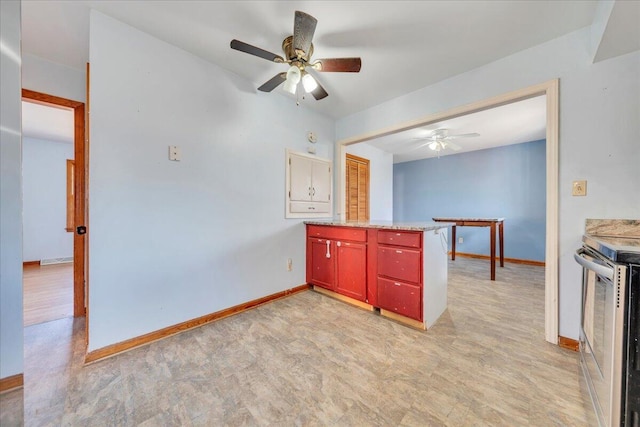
x=550, y=89
x=78, y=186
x=47, y=150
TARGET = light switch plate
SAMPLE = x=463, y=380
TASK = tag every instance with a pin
x=579, y=188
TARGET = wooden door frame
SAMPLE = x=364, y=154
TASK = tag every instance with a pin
x=79, y=143
x=549, y=88
x=349, y=156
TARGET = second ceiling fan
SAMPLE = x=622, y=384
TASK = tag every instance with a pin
x=298, y=49
x=440, y=139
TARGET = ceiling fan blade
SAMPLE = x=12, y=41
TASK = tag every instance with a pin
x=420, y=146
x=344, y=65
x=304, y=26
x=319, y=92
x=413, y=145
x=276, y=81
x=454, y=147
x=256, y=51
x=464, y=135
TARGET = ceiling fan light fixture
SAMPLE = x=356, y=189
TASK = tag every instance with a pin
x=434, y=146
x=309, y=83
x=298, y=49
x=293, y=78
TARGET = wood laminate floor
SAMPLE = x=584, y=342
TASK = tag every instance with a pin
x=309, y=360
x=48, y=292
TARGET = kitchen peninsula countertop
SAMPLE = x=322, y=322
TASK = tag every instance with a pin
x=389, y=225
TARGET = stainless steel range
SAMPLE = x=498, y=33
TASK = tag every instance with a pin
x=609, y=347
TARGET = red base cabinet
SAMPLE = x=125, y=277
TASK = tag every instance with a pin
x=322, y=271
x=337, y=260
x=381, y=267
x=400, y=273
x=351, y=270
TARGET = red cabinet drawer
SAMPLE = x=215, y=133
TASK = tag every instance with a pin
x=401, y=264
x=401, y=298
x=400, y=238
x=337, y=233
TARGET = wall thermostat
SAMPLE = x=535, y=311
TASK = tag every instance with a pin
x=312, y=137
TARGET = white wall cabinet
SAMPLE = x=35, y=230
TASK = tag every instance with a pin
x=309, y=186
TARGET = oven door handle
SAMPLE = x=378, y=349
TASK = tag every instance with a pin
x=599, y=269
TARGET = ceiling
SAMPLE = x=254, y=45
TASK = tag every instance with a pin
x=514, y=123
x=404, y=45
x=48, y=123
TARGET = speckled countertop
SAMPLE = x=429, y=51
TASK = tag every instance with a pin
x=410, y=226
x=618, y=239
x=627, y=228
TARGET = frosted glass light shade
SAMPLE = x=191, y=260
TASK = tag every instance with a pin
x=293, y=78
x=309, y=83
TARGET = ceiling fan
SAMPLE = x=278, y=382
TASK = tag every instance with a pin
x=440, y=140
x=297, y=54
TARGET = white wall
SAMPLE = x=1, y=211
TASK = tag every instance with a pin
x=48, y=77
x=380, y=180
x=11, y=353
x=171, y=241
x=44, y=193
x=599, y=135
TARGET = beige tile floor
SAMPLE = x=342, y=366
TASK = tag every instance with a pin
x=311, y=360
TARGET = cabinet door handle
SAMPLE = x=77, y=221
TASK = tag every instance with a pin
x=397, y=284
x=309, y=191
x=398, y=252
x=314, y=191
x=338, y=244
x=328, y=255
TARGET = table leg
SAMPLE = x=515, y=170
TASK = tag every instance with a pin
x=501, y=232
x=453, y=243
x=493, y=251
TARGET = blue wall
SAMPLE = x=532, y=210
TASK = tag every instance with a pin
x=504, y=182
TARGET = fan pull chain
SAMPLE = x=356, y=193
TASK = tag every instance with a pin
x=298, y=97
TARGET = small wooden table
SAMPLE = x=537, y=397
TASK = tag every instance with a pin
x=479, y=222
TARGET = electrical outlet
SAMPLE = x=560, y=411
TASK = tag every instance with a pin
x=579, y=188
x=460, y=240
x=289, y=264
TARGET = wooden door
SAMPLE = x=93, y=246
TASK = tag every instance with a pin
x=357, y=191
